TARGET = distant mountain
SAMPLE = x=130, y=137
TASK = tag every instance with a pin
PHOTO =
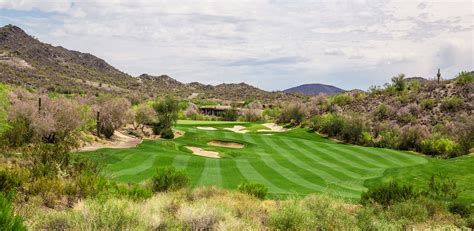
x=26, y=61
x=314, y=89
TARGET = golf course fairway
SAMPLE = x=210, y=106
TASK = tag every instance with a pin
x=295, y=162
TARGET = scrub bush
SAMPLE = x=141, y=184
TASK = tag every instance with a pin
x=254, y=189
x=389, y=194
x=169, y=178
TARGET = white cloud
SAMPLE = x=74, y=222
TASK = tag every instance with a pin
x=275, y=43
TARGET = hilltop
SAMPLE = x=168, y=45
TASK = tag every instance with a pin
x=314, y=89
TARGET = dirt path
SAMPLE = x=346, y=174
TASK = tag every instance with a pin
x=202, y=152
x=118, y=140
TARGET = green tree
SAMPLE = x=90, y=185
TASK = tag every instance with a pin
x=399, y=83
x=167, y=112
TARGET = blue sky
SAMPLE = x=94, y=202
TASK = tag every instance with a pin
x=271, y=44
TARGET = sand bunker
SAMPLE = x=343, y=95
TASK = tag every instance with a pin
x=207, y=128
x=118, y=140
x=237, y=128
x=226, y=144
x=273, y=128
x=202, y=152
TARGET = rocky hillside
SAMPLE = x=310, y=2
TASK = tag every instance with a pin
x=26, y=61
x=314, y=89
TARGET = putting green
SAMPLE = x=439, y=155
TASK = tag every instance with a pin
x=293, y=162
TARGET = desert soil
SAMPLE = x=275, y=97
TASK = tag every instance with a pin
x=118, y=140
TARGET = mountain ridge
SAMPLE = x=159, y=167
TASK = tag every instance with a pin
x=314, y=89
x=26, y=61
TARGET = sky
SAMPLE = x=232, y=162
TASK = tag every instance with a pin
x=271, y=44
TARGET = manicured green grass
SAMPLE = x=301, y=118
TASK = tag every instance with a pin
x=296, y=162
x=459, y=170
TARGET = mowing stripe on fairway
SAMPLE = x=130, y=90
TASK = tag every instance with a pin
x=145, y=164
x=366, y=160
x=313, y=159
x=323, y=174
x=352, y=181
x=351, y=159
x=379, y=156
x=253, y=176
x=270, y=161
x=211, y=175
x=338, y=164
x=181, y=161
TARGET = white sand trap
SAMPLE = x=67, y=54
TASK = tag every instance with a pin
x=237, y=128
x=273, y=128
x=226, y=144
x=202, y=152
x=207, y=128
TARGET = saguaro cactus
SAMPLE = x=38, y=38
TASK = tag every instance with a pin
x=39, y=104
x=98, y=124
x=438, y=75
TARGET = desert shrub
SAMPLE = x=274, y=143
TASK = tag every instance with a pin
x=414, y=85
x=289, y=216
x=383, y=112
x=114, y=113
x=427, y=104
x=167, y=133
x=44, y=119
x=459, y=208
x=9, y=181
x=464, y=78
x=451, y=104
x=330, y=124
x=254, y=189
x=317, y=105
x=439, y=145
x=389, y=194
x=144, y=115
x=271, y=113
x=389, y=137
x=327, y=214
x=352, y=129
x=251, y=115
x=191, y=111
x=440, y=186
x=404, y=116
x=135, y=192
x=8, y=220
x=19, y=132
x=111, y=214
x=169, y=178
x=414, y=109
x=412, y=136
x=399, y=83
x=48, y=160
x=293, y=113
x=230, y=114
x=410, y=211
x=341, y=99
x=200, y=216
